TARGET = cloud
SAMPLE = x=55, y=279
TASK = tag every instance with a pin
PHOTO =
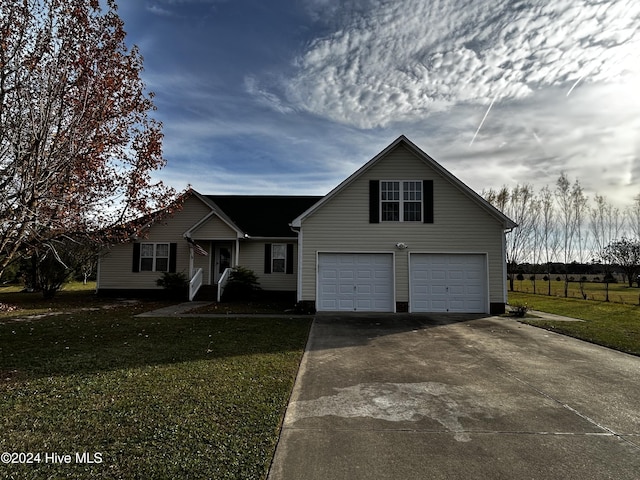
x=264, y=97
x=400, y=61
x=158, y=10
x=592, y=135
x=176, y=8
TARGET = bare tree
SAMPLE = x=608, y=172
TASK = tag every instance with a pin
x=633, y=217
x=517, y=204
x=605, y=222
x=548, y=231
x=77, y=144
x=569, y=200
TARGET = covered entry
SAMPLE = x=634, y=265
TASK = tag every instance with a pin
x=355, y=282
x=448, y=282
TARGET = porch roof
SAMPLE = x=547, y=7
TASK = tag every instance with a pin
x=264, y=215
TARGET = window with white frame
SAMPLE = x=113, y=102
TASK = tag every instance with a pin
x=278, y=258
x=401, y=201
x=154, y=257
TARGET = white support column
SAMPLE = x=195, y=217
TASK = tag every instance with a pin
x=190, y=261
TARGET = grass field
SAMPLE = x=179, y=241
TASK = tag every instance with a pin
x=618, y=292
x=614, y=325
x=148, y=397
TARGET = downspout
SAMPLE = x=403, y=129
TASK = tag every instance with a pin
x=298, y=231
x=504, y=264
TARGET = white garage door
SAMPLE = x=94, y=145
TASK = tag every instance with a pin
x=355, y=282
x=448, y=283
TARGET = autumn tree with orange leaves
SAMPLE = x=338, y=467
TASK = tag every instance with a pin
x=77, y=142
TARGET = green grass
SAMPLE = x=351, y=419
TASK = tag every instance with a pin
x=612, y=325
x=157, y=398
x=618, y=292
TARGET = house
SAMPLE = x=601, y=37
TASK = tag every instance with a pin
x=399, y=234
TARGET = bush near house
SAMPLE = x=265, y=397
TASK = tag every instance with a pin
x=176, y=285
x=242, y=285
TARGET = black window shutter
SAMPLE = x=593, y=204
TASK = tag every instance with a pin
x=427, y=199
x=267, y=258
x=173, y=250
x=135, y=264
x=374, y=201
x=289, y=260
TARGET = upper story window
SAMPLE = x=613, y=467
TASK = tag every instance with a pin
x=401, y=201
x=154, y=257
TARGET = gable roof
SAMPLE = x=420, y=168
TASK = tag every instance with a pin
x=404, y=141
x=263, y=215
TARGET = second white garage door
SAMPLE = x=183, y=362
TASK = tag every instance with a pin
x=448, y=283
x=355, y=282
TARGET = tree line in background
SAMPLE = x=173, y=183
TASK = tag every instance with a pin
x=561, y=226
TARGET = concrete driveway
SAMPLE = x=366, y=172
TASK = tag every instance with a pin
x=458, y=397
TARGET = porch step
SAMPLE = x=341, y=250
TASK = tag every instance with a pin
x=207, y=292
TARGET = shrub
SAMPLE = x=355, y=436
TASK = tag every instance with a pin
x=518, y=309
x=242, y=285
x=176, y=284
x=51, y=274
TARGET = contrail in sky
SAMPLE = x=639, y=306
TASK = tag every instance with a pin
x=574, y=85
x=483, y=119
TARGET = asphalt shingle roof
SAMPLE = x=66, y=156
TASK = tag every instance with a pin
x=264, y=215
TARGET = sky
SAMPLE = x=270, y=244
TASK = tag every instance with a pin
x=292, y=96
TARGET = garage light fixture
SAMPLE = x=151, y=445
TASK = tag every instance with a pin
x=401, y=246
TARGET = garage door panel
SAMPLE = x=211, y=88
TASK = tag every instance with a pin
x=448, y=283
x=364, y=282
x=329, y=289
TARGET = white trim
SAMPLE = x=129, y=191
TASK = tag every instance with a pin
x=215, y=209
x=357, y=252
x=402, y=140
x=300, y=259
x=98, y=271
x=275, y=239
x=401, y=201
x=193, y=229
x=155, y=256
x=487, y=279
x=505, y=294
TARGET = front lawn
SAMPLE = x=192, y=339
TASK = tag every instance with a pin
x=142, y=397
x=613, y=325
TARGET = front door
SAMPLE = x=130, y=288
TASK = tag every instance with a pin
x=221, y=259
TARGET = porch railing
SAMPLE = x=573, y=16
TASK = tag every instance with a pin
x=194, y=284
x=224, y=278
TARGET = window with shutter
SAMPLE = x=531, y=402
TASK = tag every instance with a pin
x=401, y=201
x=152, y=257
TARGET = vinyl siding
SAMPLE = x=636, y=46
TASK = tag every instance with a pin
x=115, y=263
x=460, y=225
x=214, y=228
x=252, y=257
